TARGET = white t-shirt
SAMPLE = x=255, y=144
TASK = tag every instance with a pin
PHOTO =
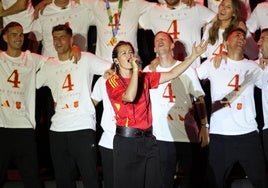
x=182, y=23
x=128, y=23
x=201, y=2
x=215, y=48
x=78, y=17
x=25, y=17
x=258, y=18
x=265, y=97
x=108, y=125
x=17, y=91
x=70, y=85
x=239, y=117
x=167, y=108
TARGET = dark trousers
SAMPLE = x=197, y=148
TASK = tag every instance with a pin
x=107, y=166
x=265, y=143
x=19, y=146
x=70, y=150
x=182, y=158
x=225, y=151
x=136, y=162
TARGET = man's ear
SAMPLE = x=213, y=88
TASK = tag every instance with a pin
x=154, y=50
x=72, y=40
x=5, y=38
x=172, y=46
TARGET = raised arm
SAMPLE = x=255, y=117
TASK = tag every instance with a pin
x=40, y=7
x=197, y=50
x=18, y=6
x=132, y=88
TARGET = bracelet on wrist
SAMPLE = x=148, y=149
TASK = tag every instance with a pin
x=205, y=125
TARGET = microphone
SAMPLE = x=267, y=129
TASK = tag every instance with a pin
x=136, y=61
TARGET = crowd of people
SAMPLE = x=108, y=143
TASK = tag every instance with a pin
x=189, y=109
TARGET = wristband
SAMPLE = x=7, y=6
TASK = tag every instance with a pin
x=135, y=69
x=205, y=125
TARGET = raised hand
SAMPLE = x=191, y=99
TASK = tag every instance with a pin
x=263, y=62
x=199, y=49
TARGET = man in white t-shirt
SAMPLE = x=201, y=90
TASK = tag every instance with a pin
x=181, y=21
x=61, y=12
x=258, y=18
x=99, y=94
x=20, y=11
x=263, y=62
x=174, y=126
x=72, y=132
x=116, y=20
x=17, y=111
x=234, y=133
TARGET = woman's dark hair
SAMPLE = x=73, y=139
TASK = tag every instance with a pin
x=115, y=53
x=120, y=43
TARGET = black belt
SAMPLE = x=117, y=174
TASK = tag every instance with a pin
x=133, y=132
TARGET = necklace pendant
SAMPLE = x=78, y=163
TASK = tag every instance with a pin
x=113, y=41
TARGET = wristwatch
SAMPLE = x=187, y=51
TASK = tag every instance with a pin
x=205, y=125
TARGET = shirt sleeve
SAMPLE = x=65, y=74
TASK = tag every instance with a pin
x=202, y=70
x=37, y=29
x=206, y=15
x=98, y=89
x=195, y=88
x=253, y=22
x=97, y=65
x=154, y=78
x=42, y=75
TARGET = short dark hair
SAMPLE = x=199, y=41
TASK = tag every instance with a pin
x=234, y=30
x=63, y=27
x=264, y=30
x=10, y=25
x=171, y=39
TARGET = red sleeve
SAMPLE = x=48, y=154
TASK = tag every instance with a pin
x=154, y=78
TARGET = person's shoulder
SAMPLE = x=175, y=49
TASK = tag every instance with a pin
x=49, y=9
x=261, y=6
x=147, y=69
x=204, y=9
x=52, y=61
x=148, y=75
x=29, y=53
x=250, y=62
x=88, y=56
x=112, y=81
x=265, y=3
